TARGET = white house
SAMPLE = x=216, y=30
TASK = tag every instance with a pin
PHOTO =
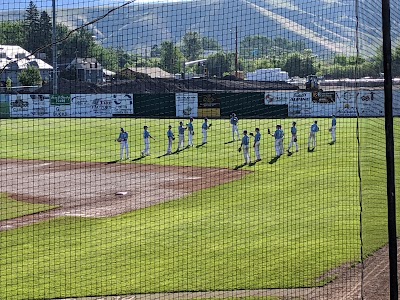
x=14, y=59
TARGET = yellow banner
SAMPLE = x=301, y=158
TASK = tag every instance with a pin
x=209, y=112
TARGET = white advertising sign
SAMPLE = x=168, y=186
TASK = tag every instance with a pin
x=30, y=106
x=101, y=105
x=324, y=103
x=81, y=105
x=122, y=104
x=186, y=104
x=277, y=97
x=346, y=104
x=60, y=106
x=300, y=104
x=371, y=103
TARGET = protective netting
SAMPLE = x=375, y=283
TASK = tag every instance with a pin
x=194, y=149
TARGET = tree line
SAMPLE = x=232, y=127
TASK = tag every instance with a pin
x=34, y=33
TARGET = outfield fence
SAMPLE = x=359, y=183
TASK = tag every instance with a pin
x=187, y=149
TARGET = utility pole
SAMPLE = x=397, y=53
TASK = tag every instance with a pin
x=236, y=51
x=54, y=43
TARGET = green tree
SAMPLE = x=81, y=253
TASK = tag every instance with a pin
x=45, y=34
x=32, y=25
x=108, y=58
x=220, y=63
x=125, y=59
x=210, y=44
x=340, y=60
x=299, y=64
x=8, y=84
x=192, y=46
x=77, y=44
x=12, y=33
x=255, y=46
x=30, y=76
x=171, y=59
x=155, y=51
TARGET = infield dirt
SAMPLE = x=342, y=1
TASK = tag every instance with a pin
x=81, y=189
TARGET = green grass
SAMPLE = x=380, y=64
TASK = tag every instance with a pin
x=10, y=208
x=282, y=226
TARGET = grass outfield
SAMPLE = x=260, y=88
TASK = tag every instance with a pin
x=10, y=208
x=282, y=226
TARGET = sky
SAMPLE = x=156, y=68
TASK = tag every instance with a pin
x=43, y=4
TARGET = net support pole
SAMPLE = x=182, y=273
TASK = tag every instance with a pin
x=54, y=43
x=390, y=169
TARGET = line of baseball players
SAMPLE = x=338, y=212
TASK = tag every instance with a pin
x=245, y=141
x=123, y=138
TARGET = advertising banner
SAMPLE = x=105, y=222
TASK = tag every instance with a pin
x=30, y=106
x=101, y=105
x=39, y=105
x=186, y=104
x=81, y=105
x=122, y=104
x=300, y=104
x=371, y=103
x=60, y=106
x=209, y=105
x=19, y=107
x=324, y=97
x=278, y=97
x=324, y=103
x=346, y=104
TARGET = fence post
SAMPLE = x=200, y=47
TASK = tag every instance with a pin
x=390, y=169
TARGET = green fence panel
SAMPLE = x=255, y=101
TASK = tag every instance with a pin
x=154, y=105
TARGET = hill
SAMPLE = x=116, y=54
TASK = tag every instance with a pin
x=326, y=26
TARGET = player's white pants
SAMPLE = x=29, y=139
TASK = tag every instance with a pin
x=190, y=143
x=169, y=150
x=279, y=147
x=246, y=154
x=312, y=140
x=181, y=141
x=124, y=146
x=333, y=133
x=257, y=150
x=292, y=142
x=204, y=131
x=235, y=130
x=146, y=146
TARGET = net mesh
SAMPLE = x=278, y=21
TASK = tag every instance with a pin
x=194, y=149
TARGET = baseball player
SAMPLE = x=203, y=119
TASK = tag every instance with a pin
x=123, y=140
x=279, y=135
x=293, y=141
x=245, y=145
x=333, y=129
x=190, y=128
x=181, y=132
x=235, y=129
x=204, y=129
x=146, y=137
x=312, y=140
x=171, y=138
x=257, y=139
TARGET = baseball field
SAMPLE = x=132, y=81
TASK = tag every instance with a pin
x=196, y=220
